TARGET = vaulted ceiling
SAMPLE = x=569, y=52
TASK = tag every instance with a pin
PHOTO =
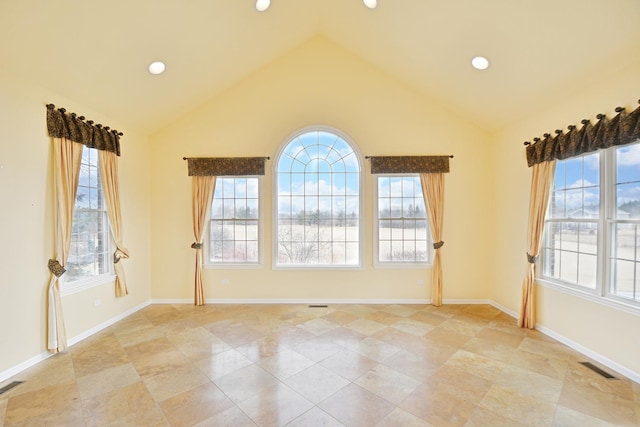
x=97, y=53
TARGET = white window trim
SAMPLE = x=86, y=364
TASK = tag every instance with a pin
x=238, y=265
x=607, y=301
x=76, y=286
x=601, y=294
x=361, y=219
x=376, y=234
x=70, y=288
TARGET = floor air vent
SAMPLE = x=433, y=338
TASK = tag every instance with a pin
x=318, y=306
x=594, y=368
x=10, y=386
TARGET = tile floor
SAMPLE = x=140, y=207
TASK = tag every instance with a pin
x=351, y=365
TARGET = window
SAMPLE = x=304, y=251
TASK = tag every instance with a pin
x=625, y=224
x=401, y=221
x=234, y=228
x=89, y=251
x=318, y=202
x=592, y=230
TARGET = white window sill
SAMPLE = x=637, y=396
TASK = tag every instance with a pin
x=319, y=267
x=403, y=265
x=81, y=285
x=234, y=266
x=591, y=296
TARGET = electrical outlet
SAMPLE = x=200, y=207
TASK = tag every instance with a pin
x=97, y=302
x=419, y=282
x=225, y=282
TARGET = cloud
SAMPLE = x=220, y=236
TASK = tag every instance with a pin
x=629, y=155
x=581, y=183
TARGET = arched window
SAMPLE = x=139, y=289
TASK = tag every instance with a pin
x=318, y=201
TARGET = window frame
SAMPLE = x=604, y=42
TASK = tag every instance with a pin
x=208, y=264
x=602, y=293
x=376, y=230
x=69, y=287
x=361, y=196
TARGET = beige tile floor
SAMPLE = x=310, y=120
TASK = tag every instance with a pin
x=351, y=365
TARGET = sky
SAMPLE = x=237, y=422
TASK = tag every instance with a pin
x=578, y=179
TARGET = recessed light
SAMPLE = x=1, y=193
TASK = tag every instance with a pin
x=480, y=63
x=371, y=4
x=262, y=5
x=157, y=67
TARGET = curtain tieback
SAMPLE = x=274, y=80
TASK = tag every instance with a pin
x=438, y=245
x=196, y=245
x=56, y=268
x=532, y=259
x=119, y=254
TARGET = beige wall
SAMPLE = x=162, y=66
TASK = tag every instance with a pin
x=320, y=83
x=607, y=331
x=26, y=226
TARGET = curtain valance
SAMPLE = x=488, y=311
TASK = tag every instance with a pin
x=226, y=166
x=622, y=129
x=73, y=127
x=409, y=164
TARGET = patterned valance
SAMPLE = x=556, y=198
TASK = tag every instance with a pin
x=620, y=130
x=409, y=164
x=73, y=127
x=226, y=166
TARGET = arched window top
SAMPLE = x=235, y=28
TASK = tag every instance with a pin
x=318, y=206
x=315, y=151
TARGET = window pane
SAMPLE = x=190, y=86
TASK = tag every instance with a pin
x=89, y=253
x=384, y=250
x=628, y=201
x=557, y=205
x=569, y=267
x=383, y=187
x=323, y=215
x=588, y=238
x=235, y=220
x=407, y=236
x=623, y=278
x=587, y=270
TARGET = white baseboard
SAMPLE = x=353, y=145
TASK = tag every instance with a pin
x=23, y=366
x=503, y=309
x=107, y=323
x=45, y=355
x=294, y=301
x=632, y=375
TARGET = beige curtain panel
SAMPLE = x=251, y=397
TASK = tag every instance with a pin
x=111, y=190
x=541, y=184
x=203, y=172
x=433, y=191
x=67, y=156
x=620, y=130
x=202, y=188
x=409, y=164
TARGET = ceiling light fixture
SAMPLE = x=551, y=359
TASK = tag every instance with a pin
x=480, y=63
x=371, y=4
x=157, y=67
x=262, y=5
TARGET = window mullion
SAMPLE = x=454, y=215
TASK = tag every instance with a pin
x=607, y=215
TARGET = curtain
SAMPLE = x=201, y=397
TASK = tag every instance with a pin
x=541, y=183
x=202, y=188
x=111, y=191
x=67, y=156
x=203, y=172
x=433, y=192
